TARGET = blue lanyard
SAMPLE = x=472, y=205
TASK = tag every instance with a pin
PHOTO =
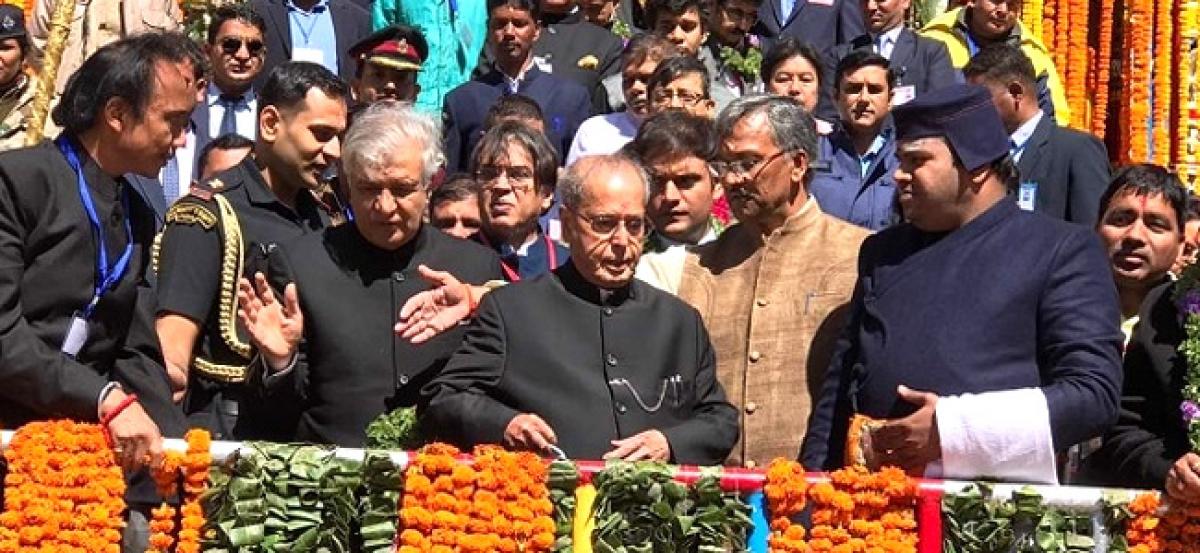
x=106, y=276
x=453, y=9
x=971, y=46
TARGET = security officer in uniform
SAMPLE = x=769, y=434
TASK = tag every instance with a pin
x=388, y=62
x=17, y=87
x=213, y=233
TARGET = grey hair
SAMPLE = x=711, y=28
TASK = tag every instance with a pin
x=571, y=191
x=792, y=127
x=386, y=127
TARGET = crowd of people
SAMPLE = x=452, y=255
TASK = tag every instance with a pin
x=676, y=230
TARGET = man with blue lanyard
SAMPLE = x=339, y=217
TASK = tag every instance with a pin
x=76, y=338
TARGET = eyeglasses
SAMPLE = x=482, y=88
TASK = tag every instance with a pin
x=230, y=45
x=663, y=97
x=741, y=168
x=605, y=225
x=520, y=179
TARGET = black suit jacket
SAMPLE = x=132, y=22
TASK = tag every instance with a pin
x=565, y=105
x=920, y=62
x=350, y=23
x=821, y=23
x=594, y=369
x=1149, y=435
x=1071, y=171
x=563, y=44
x=352, y=367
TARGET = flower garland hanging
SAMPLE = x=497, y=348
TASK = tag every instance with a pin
x=786, y=491
x=1141, y=533
x=501, y=503
x=857, y=507
x=1103, y=65
x=1062, y=41
x=1032, y=12
x=190, y=468
x=1187, y=128
x=63, y=492
x=1049, y=11
x=1077, y=69
x=1164, y=64
x=1135, y=120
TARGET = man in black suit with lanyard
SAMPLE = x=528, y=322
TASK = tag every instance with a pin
x=76, y=337
x=320, y=31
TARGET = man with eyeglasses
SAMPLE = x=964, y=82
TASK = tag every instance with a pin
x=229, y=104
x=216, y=233
x=681, y=83
x=586, y=360
x=773, y=287
x=516, y=170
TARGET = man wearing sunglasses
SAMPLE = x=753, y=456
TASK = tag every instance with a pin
x=229, y=104
x=587, y=360
x=771, y=288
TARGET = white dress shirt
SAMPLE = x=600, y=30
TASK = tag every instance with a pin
x=245, y=114
x=885, y=43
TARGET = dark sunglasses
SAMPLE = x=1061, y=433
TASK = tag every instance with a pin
x=230, y=45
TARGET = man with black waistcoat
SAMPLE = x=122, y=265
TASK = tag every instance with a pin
x=335, y=354
x=76, y=334
x=222, y=224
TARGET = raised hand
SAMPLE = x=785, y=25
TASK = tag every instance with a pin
x=275, y=328
x=436, y=310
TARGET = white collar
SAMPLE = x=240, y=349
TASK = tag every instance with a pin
x=892, y=36
x=1021, y=136
x=214, y=95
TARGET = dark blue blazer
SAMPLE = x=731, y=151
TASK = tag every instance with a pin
x=565, y=105
x=350, y=24
x=1011, y=300
x=842, y=191
x=151, y=191
x=821, y=23
x=1071, y=171
x=920, y=62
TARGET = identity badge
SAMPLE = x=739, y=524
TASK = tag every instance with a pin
x=314, y=55
x=1027, y=195
x=904, y=95
x=77, y=335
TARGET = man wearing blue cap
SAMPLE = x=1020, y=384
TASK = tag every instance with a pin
x=982, y=338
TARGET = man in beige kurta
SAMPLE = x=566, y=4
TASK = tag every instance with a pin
x=773, y=289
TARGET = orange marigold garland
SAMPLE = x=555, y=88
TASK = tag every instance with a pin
x=786, y=492
x=1077, y=69
x=1164, y=64
x=63, y=492
x=1141, y=533
x=1103, y=64
x=501, y=503
x=857, y=507
x=192, y=470
x=1135, y=115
